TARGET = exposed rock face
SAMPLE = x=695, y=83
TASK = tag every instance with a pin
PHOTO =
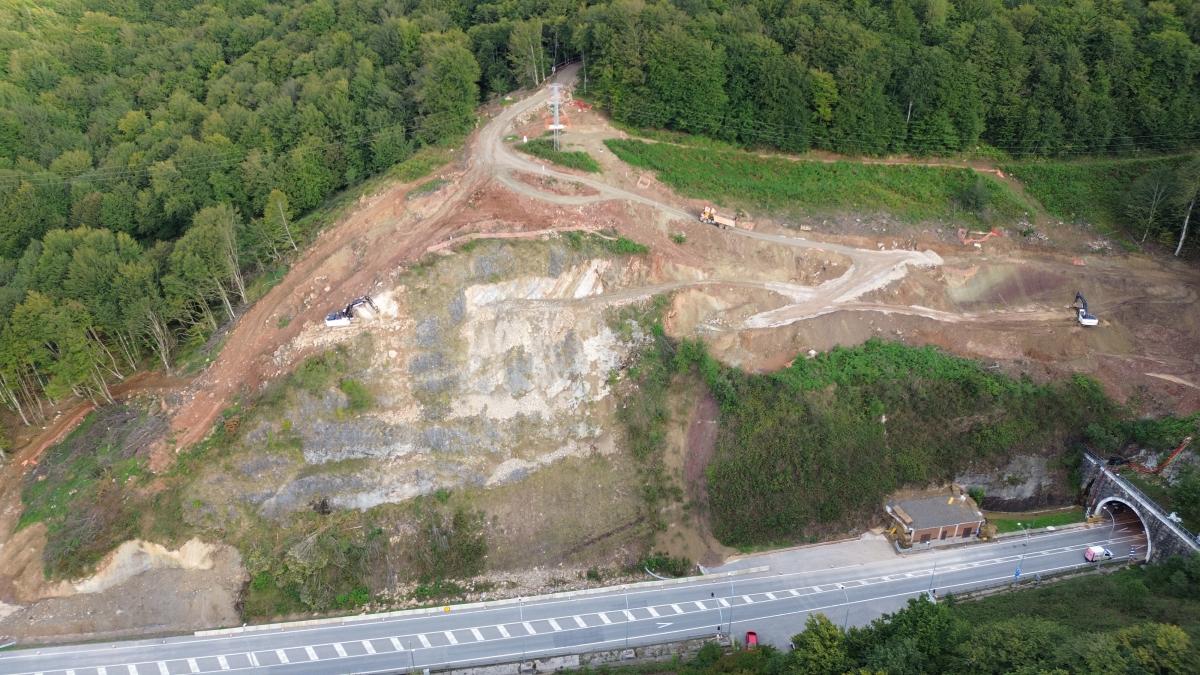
x=1027, y=482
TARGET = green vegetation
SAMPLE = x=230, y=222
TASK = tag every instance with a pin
x=780, y=185
x=572, y=159
x=79, y=489
x=877, y=77
x=1032, y=522
x=1138, y=620
x=358, y=398
x=666, y=565
x=428, y=187
x=605, y=242
x=1092, y=191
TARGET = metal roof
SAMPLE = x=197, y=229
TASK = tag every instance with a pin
x=938, y=511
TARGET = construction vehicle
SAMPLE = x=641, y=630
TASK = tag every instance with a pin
x=343, y=317
x=709, y=216
x=1085, y=318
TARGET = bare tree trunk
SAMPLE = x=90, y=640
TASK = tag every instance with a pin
x=128, y=349
x=98, y=377
x=1186, y=218
x=115, y=370
x=161, y=336
x=10, y=396
x=225, y=300
x=235, y=269
x=286, y=228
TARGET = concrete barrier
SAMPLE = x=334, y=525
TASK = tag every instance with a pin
x=446, y=609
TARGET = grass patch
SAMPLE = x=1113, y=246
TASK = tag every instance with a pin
x=1009, y=524
x=572, y=159
x=358, y=398
x=428, y=187
x=913, y=193
x=608, y=242
x=82, y=489
x=1090, y=191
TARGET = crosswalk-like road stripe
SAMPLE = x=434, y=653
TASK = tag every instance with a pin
x=503, y=631
x=699, y=605
x=192, y=666
x=450, y=636
x=424, y=640
x=604, y=618
x=676, y=608
x=477, y=634
x=554, y=624
x=368, y=646
x=746, y=599
x=653, y=612
x=341, y=651
x=221, y=661
x=772, y=596
x=579, y=622
x=723, y=601
x=529, y=627
x=162, y=668
x=396, y=643
x=628, y=615
x=312, y=654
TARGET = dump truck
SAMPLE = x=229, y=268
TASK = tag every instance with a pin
x=710, y=216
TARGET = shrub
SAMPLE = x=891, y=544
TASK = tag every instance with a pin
x=358, y=398
x=573, y=159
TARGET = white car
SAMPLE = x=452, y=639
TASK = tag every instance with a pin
x=1096, y=554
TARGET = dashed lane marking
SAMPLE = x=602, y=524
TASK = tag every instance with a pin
x=772, y=596
x=252, y=658
x=337, y=647
x=795, y=593
x=747, y=599
x=554, y=625
x=424, y=640
x=100, y=670
x=653, y=612
x=450, y=636
x=399, y=647
x=579, y=621
x=529, y=627
x=132, y=669
x=603, y=618
x=162, y=668
x=628, y=615
x=477, y=634
x=723, y=601
x=195, y=668
x=223, y=662
x=700, y=605
x=503, y=631
x=312, y=653
x=676, y=608
x=368, y=646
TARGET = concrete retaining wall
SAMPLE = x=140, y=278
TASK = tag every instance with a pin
x=683, y=649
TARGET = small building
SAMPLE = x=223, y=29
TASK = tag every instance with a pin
x=942, y=517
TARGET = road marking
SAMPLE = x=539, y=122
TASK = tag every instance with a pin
x=222, y=662
x=579, y=621
x=477, y=634
x=132, y=669
x=676, y=608
x=653, y=612
x=253, y=659
x=795, y=593
x=312, y=653
x=368, y=646
x=603, y=618
x=100, y=670
x=424, y=640
x=628, y=615
x=396, y=643
x=663, y=624
x=162, y=668
x=817, y=589
x=529, y=627
x=554, y=625
x=723, y=601
x=337, y=647
x=772, y=596
x=450, y=636
x=195, y=668
x=699, y=605
x=503, y=631
x=70, y=672
x=746, y=599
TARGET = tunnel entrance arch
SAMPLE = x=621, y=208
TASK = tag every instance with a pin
x=1125, y=514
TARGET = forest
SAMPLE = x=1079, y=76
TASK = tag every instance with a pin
x=154, y=156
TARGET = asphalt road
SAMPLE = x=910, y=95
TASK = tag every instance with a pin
x=774, y=605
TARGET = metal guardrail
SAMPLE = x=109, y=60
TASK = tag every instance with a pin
x=1180, y=530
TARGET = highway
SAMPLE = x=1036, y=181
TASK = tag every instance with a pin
x=773, y=604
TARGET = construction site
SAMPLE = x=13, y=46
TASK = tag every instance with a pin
x=490, y=320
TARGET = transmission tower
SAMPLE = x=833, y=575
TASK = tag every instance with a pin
x=556, y=126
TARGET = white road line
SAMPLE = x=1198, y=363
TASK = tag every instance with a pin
x=253, y=659
x=100, y=670
x=396, y=643
x=529, y=627
x=653, y=612
x=816, y=589
x=746, y=599
x=554, y=624
x=628, y=615
x=723, y=601
x=162, y=668
x=368, y=646
x=699, y=605
x=221, y=661
x=337, y=647
x=676, y=608
x=312, y=653
x=424, y=640
x=132, y=669
x=772, y=596
x=450, y=636
x=70, y=672
x=603, y=618
x=477, y=634
x=795, y=593
x=579, y=621
x=195, y=668
x=279, y=655
x=503, y=631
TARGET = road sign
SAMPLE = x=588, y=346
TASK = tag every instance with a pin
x=1017, y=573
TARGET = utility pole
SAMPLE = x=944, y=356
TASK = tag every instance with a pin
x=555, y=106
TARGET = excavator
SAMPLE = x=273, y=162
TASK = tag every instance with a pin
x=343, y=317
x=1081, y=307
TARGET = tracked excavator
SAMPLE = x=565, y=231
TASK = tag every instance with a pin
x=1085, y=317
x=345, y=316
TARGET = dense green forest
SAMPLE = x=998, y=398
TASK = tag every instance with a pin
x=153, y=155
x=1139, y=620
